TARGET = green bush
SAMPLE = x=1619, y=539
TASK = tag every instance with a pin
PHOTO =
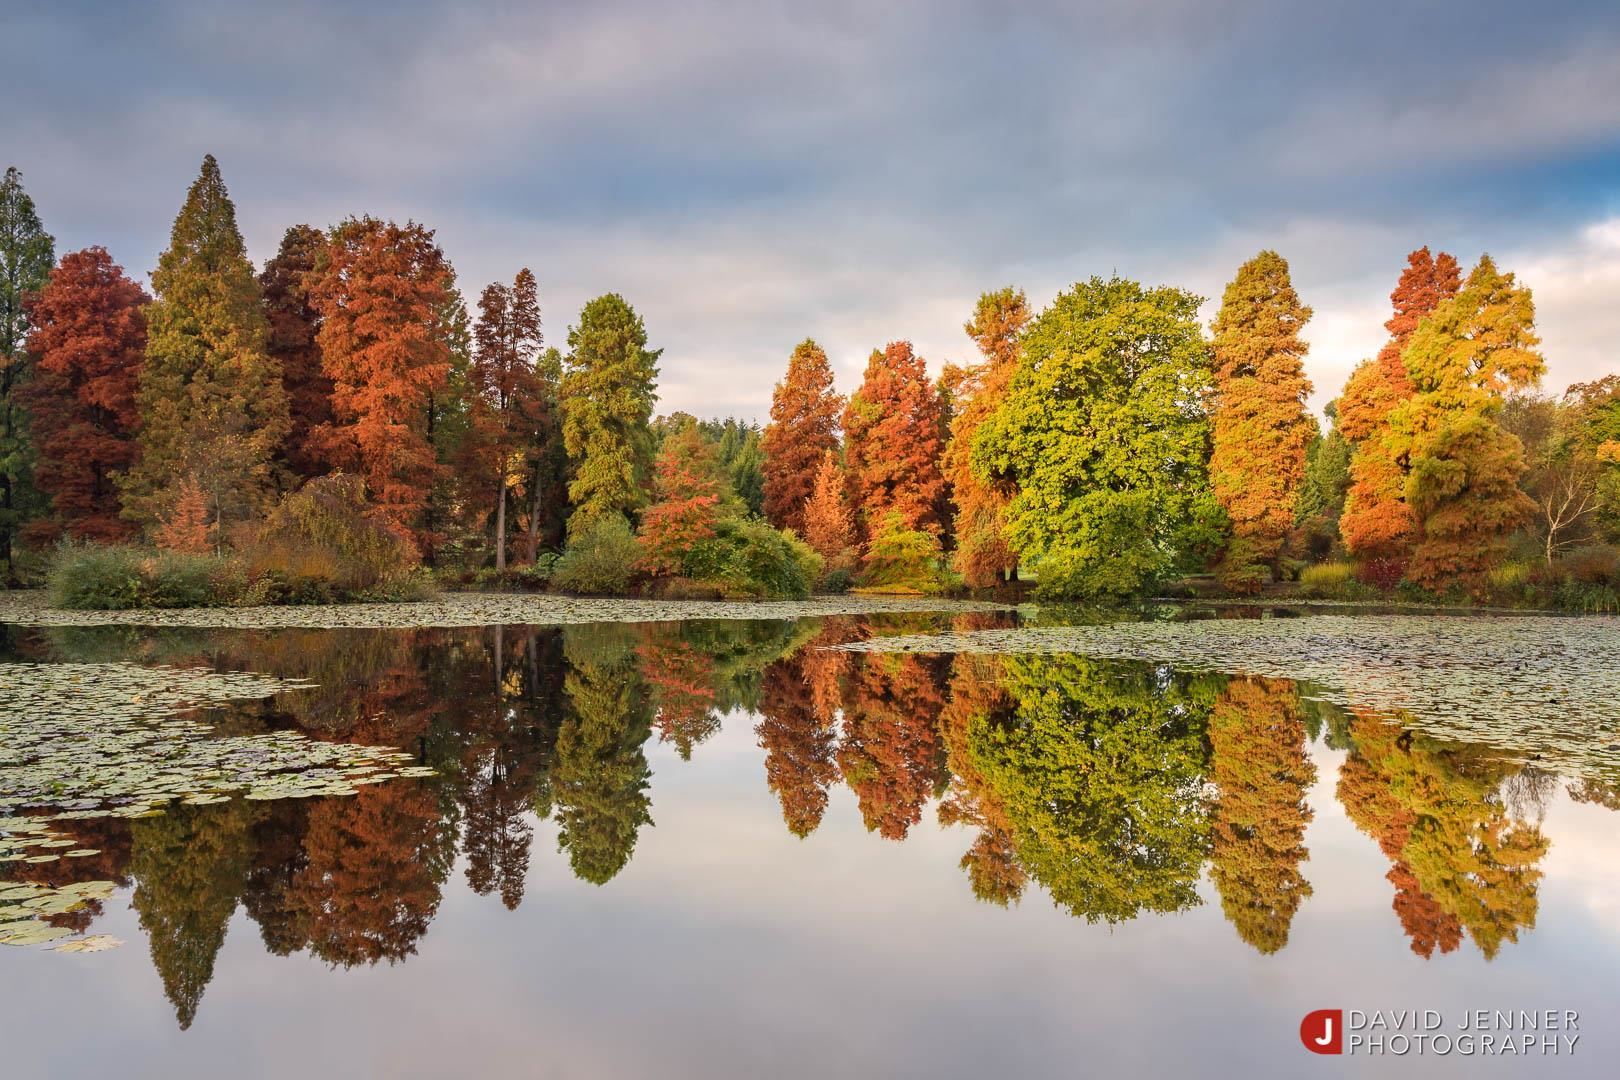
x=750, y=558
x=1333, y=581
x=89, y=577
x=600, y=558
x=836, y=580
x=904, y=561
x=325, y=542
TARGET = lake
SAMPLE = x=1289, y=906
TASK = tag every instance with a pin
x=855, y=843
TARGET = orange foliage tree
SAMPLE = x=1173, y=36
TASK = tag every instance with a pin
x=688, y=491
x=982, y=553
x=803, y=427
x=889, y=753
x=1464, y=468
x=893, y=435
x=799, y=740
x=680, y=678
x=1260, y=426
x=381, y=290
x=294, y=326
x=88, y=340
x=829, y=527
x=1376, y=524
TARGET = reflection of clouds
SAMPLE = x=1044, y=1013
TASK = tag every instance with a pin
x=1583, y=867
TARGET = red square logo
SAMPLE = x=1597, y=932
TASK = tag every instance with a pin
x=1322, y=1031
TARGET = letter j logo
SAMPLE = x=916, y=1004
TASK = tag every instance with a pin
x=1322, y=1031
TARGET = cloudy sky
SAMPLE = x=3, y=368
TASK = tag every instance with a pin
x=751, y=174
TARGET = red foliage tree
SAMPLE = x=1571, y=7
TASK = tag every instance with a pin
x=799, y=739
x=1377, y=525
x=294, y=327
x=893, y=435
x=803, y=428
x=509, y=406
x=688, y=491
x=381, y=290
x=829, y=527
x=681, y=678
x=88, y=341
x=889, y=753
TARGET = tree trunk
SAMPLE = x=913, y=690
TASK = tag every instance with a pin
x=534, y=517
x=500, y=528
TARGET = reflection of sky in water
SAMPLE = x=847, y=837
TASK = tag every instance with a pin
x=728, y=947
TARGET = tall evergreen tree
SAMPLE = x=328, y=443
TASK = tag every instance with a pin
x=1377, y=524
x=385, y=292
x=213, y=412
x=88, y=342
x=982, y=554
x=608, y=391
x=894, y=434
x=1260, y=426
x=803, y=427
x=294, y=326
x=26, y=254
x=1463, y=484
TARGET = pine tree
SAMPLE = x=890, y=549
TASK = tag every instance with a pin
x=803, y=427
x=1260, y=426
x=1463, y=483
x=608, y=390
x=510, y=406
x=211, y=400
x=1377, y=525
x=26, y=254
x=384, y=291
x=88, y=342
x=894, y=433
x=982, y=554
x=294, y=326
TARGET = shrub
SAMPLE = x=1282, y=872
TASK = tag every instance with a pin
x=1382, y=574
x=89, y=577
x=750, y=558
x=1594, y=564
x=600, y=558
x=325, y=542
x=836, y=580
x=1332, y=581
x=904, y=561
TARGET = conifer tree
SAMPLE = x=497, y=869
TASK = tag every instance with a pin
x=386, y=293
x=982, y=554
x=803, y=427
x=894, y=433
x=1260, y=426
x=211, y=399
x=688, y=490
x=608, y=391
x=1463, y=483
x=88, y=342
x=26, y=254
x=829, y=527
x=1377, y=525
x=294, y=326
x=510, y=401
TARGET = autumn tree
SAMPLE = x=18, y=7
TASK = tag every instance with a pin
x=687, y=492
x=1261, y=773
x=1104, y=435
x=382, y=291
x=889, y=749
x=211, y=399
x=510, y=402
x=608, y=391
x=979, y=697
x=680, y=677
x=1376, y=523
x=893, y=437
x=803, y=427
x=294, y=325
x=1463, y=483
x=799, y=739
x=829, y=527
x=983, y=555
x=1260, y=426
x=26, y=254
x=88, y=341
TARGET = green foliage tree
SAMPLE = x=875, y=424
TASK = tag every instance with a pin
x=26, y=254
x=1104, y=433
x=213, y=410
x=608, y=390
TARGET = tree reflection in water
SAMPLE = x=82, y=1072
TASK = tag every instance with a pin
x=1112, y=787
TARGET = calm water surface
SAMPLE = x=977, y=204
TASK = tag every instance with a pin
x=716, y=849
